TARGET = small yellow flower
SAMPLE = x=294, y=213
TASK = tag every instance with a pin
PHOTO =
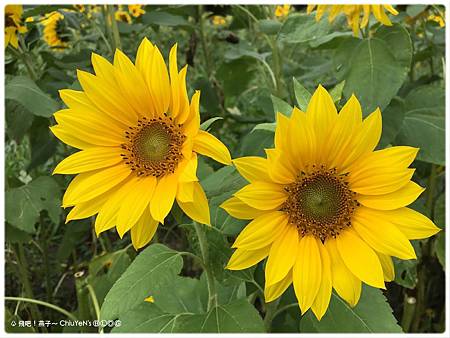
x=80, y=8
x=326, y=208
x=29, y=19
x=139, y=138
x=218, y=20
x=54, y=34
x=353, y=14
x=149, y=299
x=123, y=16
x=136, y=10
x=13, y=24
x=282, y=11
x=437, y=18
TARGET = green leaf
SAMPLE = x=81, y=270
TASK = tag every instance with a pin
x=302, y=28
x=236, y=317
x=281, y=106
x=153, y=267
x=393, y=117
x=253, y=144
x=24, y=204
x=424, y=123
x=439, y=211
x=405, y=272
x=266, y=126
x=399, y=41
x=413, y=10
x=372, y=314
x=23, y=90
x=269, y=27
x=372, y=74
x=235, y=75
x=336, y=91
x=302, y=95
x=439, y=247
x=161, y=18
x=205, y=125
x=18, y=120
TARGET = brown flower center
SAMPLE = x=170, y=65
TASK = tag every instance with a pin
x=153, y=147
x=320, y=203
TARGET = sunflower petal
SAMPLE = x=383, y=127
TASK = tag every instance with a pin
x=208, y=145
x=272, y=292
x=252, y=168
x=238, y=209
x=198, y=208
x=163, y=197
x=322, y=300
x=243, y=259
x=144, y=230
x=388, y=267
x=255, y=195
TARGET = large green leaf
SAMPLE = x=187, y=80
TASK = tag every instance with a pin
x=302, y=95
x=24, y=91
x=371, y=314
x=373, y=74
x=236, y=317
x=24, y=204
x=424, y=123
x=302, y=28
x=153, y=267
x=161, y=18
x=397, y=36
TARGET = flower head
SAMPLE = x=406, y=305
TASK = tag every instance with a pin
x=13, y=24
x=139, y=138
x=327, y=210
x=282, y=11
x=121, y=15
x=437, y=18
x=80, y=8
x=55, y=34
x=136, y=10
x=353, y=14
x=218, y=20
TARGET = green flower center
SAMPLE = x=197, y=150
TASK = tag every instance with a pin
x=320, y=203
x=153, y=147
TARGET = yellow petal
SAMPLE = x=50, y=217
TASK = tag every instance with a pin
x=68, y=138
x=397, y=199
x=380, y=15
x=364, y=141
x=184, y=110
x=185, y=192
x=243, y=259
x=388, y=267
x=208, y=145
x=302, y=139
x=163, y=197
x=346, y=284
x=262, y=195
x=174, y=78
x=272, y=292
x=87, y=209
x=192, y=125
x=307, y=272
x=135, y=202
x=377, y=231
x=262, y=231
x=198, y=209
x=89, y=159
x=144, y=230
x=322, y=113
x=280, y=168
x=252, y=168
x=238, y=209
x=322, y=300
x=282, y=255
x=390, y=9
x=411, y=223
x=189, y=174
x=360, y=259
x=89, y=185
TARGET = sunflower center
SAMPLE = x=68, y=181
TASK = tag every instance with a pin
x=9, y=21
x=153, y=147
x=320, y=203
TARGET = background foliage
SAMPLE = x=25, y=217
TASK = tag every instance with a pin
x=248, y=65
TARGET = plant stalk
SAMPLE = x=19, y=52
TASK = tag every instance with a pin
x=212, y=296
x=112, y=23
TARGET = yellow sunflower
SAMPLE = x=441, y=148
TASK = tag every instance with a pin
x=139, y=138
x=353, y=14
x=121, y=15
x=218, y=20
x=13, y=24
x=80, y=8
x=54, y=34
x=327, y=209
x=136, y=10
x=282, y=11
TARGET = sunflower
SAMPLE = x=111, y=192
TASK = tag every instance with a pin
x=282, y=11
x=80, y=8
x=353, y=14
x=54, y=33
x=437, y=18
x=121, y=15
x=139, y=138
x=13, y=24
x=136, y=10
x=327, y=209
x=218, y=20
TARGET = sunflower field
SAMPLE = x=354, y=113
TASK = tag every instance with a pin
x=224, y=168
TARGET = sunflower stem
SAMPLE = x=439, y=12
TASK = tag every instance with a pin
x=204, y=250
x=271, y=310
x=201, y=30
x=112, y=23
x=22, y=55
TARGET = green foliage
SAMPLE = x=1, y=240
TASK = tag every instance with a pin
x=372, y=314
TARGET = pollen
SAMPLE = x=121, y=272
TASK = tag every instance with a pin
x=153, y=146
x=320, y=203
